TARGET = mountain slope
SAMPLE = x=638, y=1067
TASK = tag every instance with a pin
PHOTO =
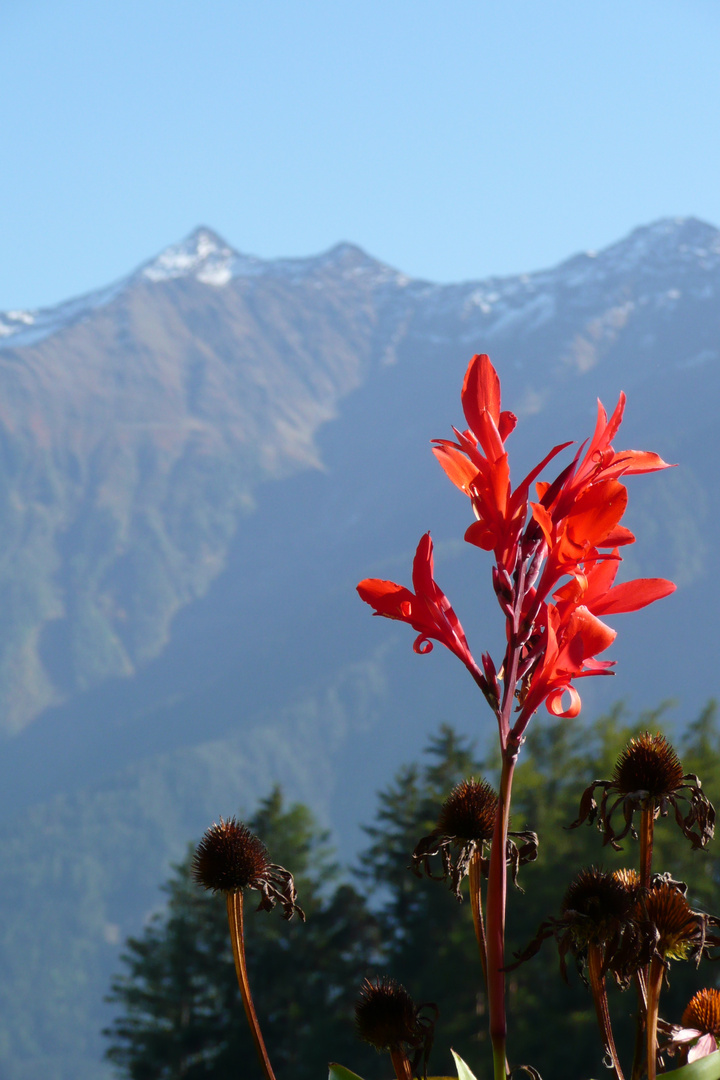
x=198, y=465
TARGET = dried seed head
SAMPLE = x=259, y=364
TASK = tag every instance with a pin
x=603, y=901
x=648, y=763
x=703, y=1012
x=676, y=926
x=229, y=858
x=386, y=1015
x=469, y=811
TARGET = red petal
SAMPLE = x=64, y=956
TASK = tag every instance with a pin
x=386, y=597
x=544, y=520
x=457, y=466
x=481, y=391
x=632, y=595
x=639, y=461
x=618, y=537
x=506, y=424
x=586, y=635
x=481, y=535
x=597, y=512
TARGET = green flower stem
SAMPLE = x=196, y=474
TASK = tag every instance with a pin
x=475, y=874
x=497, y=877
x=598, y=988
x=235, y=918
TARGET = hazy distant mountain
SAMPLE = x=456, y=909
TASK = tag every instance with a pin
x=198, y=463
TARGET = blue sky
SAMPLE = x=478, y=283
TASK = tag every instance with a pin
x=452, y=139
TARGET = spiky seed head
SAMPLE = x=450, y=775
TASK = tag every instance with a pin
x=604, y=901
x=229, y=858
x=469, y=811
x=386, y=1015
x=648, y=763
x=676, y=924
x=703, y=1012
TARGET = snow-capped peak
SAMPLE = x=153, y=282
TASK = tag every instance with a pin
x=203, y=255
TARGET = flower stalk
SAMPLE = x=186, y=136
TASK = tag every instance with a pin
x=654, y=986
x=647, y=823
x=555, y=562
x=598, y=988
x=401, y=1064
x=496, y=902
x=475, y=878
x=230, y=859
x=237, y=937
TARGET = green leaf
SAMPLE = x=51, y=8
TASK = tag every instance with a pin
x=706, y=1068
x=464, y=1072
x=339, y=1072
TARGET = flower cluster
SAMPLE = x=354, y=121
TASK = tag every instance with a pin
x=556, y=558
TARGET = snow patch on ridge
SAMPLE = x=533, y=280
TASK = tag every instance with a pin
x=20, y=328
x=661, y=263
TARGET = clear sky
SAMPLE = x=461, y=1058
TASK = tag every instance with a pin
x=453, y=139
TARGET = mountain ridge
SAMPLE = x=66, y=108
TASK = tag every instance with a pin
x=193, y=479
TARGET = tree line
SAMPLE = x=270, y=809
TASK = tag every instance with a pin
x=179, y=1015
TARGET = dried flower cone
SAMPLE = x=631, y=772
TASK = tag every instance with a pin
x=230, y=859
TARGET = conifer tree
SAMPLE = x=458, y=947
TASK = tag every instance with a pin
x=180, y=1012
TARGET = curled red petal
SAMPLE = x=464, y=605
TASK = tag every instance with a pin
x=553, y=702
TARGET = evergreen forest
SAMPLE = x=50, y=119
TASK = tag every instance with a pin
x=178, y=1009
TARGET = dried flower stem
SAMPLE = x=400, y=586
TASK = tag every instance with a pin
x=599, y=994
x=640, y=980
x=655, y=978
x=647, y=823
x=401, y=1064
x=475, y=875
x=647, y=826
x=235, y=918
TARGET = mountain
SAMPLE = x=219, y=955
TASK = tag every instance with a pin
x=198, y=464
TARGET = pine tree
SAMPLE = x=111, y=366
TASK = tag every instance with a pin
x=181, y=1016
x=429, y=937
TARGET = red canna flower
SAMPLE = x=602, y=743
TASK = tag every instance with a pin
x=568, y=649
x=478, y=464
x=427, y=610
x=554, y=578
x=602, y=462
x=595, y=589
